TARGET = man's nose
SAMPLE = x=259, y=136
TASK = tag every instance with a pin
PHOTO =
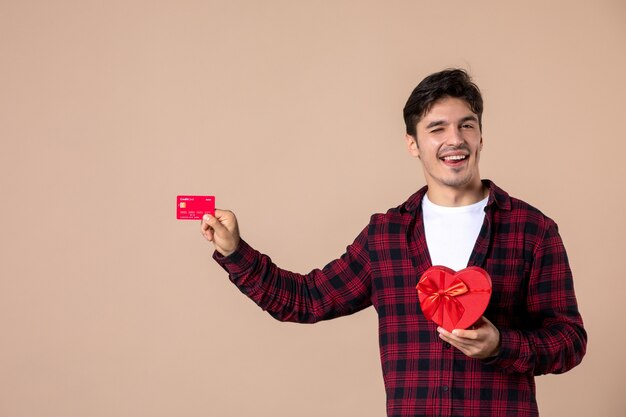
x=455, y=137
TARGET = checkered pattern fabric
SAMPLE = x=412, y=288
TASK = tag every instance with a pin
x=533, y=305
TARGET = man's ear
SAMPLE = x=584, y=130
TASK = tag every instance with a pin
x=411, y=144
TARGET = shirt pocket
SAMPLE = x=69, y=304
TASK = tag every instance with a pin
x=508, y=285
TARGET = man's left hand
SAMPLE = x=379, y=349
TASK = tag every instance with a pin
x=481, y=341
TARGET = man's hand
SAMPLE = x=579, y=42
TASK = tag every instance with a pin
x=222, y=230
x=481, y=341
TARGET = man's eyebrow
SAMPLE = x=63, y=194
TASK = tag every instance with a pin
x=467, y=118
x=435, y=123
x=470, y=118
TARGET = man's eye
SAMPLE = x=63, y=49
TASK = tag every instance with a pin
x=467, y=126
x=436, y=130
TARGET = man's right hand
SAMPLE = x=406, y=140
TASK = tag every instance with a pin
x=222, y=230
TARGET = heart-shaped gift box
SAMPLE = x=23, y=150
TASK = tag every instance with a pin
x=454, y=300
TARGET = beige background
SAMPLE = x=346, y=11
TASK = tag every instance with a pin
x=290, y=113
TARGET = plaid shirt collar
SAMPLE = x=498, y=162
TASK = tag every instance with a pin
x=496, y=195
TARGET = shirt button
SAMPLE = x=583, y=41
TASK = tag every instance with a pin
x=445, y=388
x=447, y=345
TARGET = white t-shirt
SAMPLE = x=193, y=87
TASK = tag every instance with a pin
x=451, y=232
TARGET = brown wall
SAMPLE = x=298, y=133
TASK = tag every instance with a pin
x=290, y=113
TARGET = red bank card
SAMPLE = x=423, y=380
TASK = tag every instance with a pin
x=193, y=207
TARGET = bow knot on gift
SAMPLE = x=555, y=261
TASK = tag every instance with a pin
x=436, y=295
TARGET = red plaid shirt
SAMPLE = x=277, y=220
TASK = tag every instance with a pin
x=533, y=305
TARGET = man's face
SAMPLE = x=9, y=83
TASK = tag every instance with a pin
x=448, y=143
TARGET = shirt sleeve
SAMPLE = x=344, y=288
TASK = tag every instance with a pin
x=342, y=287
x=556, y=340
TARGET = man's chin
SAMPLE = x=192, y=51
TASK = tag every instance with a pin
x=457, y=182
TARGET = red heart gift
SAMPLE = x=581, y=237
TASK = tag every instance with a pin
x=454, y=300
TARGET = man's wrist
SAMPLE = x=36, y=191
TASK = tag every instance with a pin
x=498, y=345
x=240, y=260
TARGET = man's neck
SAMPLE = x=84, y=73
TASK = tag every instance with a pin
x=457, y=197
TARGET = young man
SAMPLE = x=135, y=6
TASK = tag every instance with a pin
x=532, y=325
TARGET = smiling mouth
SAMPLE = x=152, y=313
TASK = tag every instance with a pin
x=453, y=158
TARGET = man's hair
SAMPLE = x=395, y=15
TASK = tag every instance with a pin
x=447, y=83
